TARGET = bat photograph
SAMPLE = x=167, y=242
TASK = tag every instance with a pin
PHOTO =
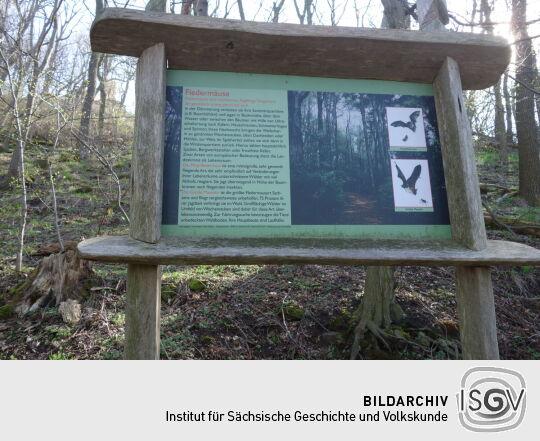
x=411, y=185
x=406, y=129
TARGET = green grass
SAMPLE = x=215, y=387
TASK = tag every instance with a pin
x=208, y=273
x=58, y=332
x=117, y=318
x=60, y=356
x=486, y=157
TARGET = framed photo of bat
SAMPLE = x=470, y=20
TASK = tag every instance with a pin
x=406, y=130
x=411, y=185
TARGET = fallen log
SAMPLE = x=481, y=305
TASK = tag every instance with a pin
x=485, y=187
x=507, y=195
x=513, y=224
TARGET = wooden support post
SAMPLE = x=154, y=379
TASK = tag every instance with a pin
x=476, y=309
x=144, y=281
x=474, y=291
x=147, y=161
x=143, y=312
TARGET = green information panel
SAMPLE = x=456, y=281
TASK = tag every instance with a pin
x=271, y=155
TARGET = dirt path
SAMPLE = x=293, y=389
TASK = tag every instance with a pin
x=359, y=210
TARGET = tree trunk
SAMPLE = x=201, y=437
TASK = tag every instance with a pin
x=536, y=85
x=529, y=155
x=380, y=279
x=39, y=67
x=102, y=74
x=396, y=14
x=15, y=162
x=320, y=132
x=158, y=5
x=89, y=95
x=500, y=130
x=508, y=108
x=186, y=7
x=241, y=10
x=202, y=8
x=90, y=92
x=378, y=309
x=432, y=15
x=24, y=206
x=378, y=301
x=306, y=14
x=4, y=4
x=276, y=10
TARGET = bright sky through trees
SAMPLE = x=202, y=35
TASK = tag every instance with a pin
x=367, y=13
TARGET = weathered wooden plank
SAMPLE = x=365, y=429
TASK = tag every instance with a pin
x=206, y=250
x=147, y=160
x=202, y=43
x=474, y=291
x=464, y=201
x=476, y=310
x=142, y=312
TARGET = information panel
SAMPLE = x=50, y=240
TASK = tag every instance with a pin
x=272, y=155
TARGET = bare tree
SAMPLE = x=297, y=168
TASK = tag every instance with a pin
x=433, y=14
x=360, y=17
x=91, y=81
x=396, y=15
x=536, y=86
x=126, y=70
x=57, y=132
x=305, y=15
x=25, y=60
x=508, y=110
x=157, y=5
x=103, y=72
x=30, y=65
x=186, y=7
x=20, y=149
x=529, y=155
x=486, y=9
x=241, y=10
x=500, y=128
x=276, y=10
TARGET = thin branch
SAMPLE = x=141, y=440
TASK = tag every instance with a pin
x=101, y=158
x=526, y=86
x=496, y=219
x=525, y=39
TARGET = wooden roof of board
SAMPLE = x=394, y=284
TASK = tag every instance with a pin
x=212, y=44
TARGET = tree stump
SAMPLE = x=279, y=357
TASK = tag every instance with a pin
x=57, y=278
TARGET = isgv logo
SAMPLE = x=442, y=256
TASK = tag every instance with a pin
x=491, y=399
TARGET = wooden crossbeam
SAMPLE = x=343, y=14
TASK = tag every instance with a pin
x=208, y=250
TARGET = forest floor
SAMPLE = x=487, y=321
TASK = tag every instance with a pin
x=249, y=311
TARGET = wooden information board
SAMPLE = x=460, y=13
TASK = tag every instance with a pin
x=250, y=155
